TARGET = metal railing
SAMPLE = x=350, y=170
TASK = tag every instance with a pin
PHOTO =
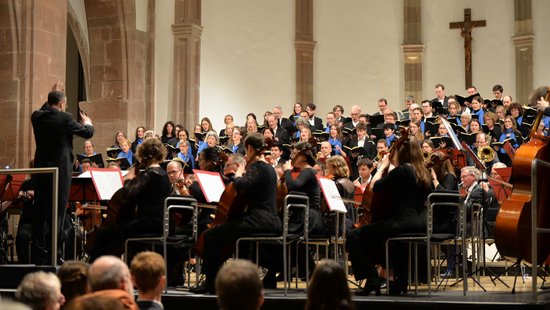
x=55, y=187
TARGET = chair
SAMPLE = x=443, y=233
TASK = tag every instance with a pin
x=433, y=236
x=286, y=239
x=170, y=203
x=335, y=240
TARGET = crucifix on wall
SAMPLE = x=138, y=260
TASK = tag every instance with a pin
x=466, y=28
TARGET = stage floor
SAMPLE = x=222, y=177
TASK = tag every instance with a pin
x=497, y=296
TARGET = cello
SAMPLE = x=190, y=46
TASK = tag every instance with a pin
x=375, y=204
x=513, y=222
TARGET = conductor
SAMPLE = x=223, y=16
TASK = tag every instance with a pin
x=53, y=133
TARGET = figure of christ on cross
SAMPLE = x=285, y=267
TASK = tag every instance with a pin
x=466, y=28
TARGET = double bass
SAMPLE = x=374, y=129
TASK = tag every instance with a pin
x=513, y=222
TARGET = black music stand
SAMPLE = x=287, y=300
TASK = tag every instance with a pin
x=82, y=189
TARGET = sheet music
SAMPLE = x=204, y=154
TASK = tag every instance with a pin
x=211, y=183
x=332, y=196
x=106, y=181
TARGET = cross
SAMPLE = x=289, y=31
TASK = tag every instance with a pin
x=466, y=28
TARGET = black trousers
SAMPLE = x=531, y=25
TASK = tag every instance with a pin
x=366, y=246
x=219, y=242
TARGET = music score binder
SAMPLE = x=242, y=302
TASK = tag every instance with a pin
x=331, y=194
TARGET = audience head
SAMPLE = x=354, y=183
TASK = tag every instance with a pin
x=40, y=290
x=328, y=288
x=109, y=273
x=74, y=279
x=148, y=272
x=239, y=286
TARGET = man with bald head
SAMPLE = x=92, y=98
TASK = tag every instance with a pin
x=109, y=276
x=355, y=112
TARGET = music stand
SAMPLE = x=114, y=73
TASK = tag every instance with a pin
x=82, y=189
x=10, y=187
x=211, y=184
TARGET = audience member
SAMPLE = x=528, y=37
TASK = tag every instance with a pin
x=74, y=279
x=149, y=276
x=110, y=281
x=239, y=286
x=41, y=291
x=328, y=288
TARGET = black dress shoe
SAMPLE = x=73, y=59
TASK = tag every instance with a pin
x=203, y=288
x=368, y=289
x=398, y=287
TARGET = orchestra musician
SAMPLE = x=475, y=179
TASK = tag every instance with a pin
x=257, y=185
x=478, y=191
x=365, y=167
x=410, y=184
x=145, y=192
x=338, y=170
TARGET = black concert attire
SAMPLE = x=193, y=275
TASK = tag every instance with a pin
x=25, y=230
x=317, y=124
x=408, y=215
x=307, y=183
x=346, y=189
x=488, y=201
x=281, y=135
x=146, y=193
x=368, y=145
x=53, y=134
x=258, y=186
x=449, y=182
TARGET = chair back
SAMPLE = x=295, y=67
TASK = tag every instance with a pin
x=296, y=214
x=174, y=203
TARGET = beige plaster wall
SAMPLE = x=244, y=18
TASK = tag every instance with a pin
x=247, y=58
x=164, y=61
x=541, y=51
x=492, y=53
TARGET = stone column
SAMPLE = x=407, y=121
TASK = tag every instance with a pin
x=413, y=49
x=187, y=47
x=524, y=40
x=305, y=46
x=32, y=58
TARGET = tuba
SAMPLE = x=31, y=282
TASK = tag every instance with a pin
x=486, y=154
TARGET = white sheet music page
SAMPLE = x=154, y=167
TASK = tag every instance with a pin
x=332, y=196
x=211, y=183
x=106, y=181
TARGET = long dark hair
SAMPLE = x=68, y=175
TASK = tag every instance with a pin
x=328, y=288
x=165, y=129
x=411, y=153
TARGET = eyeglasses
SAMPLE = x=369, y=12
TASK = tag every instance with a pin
x=173, y=172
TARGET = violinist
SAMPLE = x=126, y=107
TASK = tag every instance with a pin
x=338, y=170
x=177, y=179
x=442, y=171
x=209, y=160
x=410, y=183
x=365, y=167
x=303, y=160
x=257, y=185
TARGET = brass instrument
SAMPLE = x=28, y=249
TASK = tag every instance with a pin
x=486, y=154
x=426, y=155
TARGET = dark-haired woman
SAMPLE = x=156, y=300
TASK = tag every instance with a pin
x=410, y=183
x=140, y=132
x=257, y=185
x=169, y=133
